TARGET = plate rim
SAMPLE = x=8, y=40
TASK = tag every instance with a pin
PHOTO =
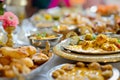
x=92, y=53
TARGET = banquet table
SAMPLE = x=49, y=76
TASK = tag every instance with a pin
x=56, y=60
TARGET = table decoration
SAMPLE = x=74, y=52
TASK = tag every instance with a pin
x=10, y=22
x=1, y=7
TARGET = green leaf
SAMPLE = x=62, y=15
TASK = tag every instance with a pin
x=44, y=34
x=118, y=41
x=38, y=34
x=93, y=37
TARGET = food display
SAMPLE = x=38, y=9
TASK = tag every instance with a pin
x=42, y=36
x=100, y=44
x=20, y=61
x=60, y=28
x=83, y=31
x=40, y=39
x=43, y=20
x=83, y=71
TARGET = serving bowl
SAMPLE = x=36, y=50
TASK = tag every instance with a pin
x=42, y=42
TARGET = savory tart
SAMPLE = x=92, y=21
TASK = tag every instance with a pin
x=82, y=71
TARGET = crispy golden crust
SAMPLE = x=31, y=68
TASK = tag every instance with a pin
x=30, y=49
x=39, y=58
x=14, y=53
x=16, y=61
x=20, y=52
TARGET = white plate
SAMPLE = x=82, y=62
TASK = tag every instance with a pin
x=49, y=74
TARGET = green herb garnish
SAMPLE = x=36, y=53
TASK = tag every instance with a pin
x=93, y=37
x=42, y=34
x=118, y=41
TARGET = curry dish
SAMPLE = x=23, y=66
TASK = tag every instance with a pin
x=81, y=71
x=100, y=43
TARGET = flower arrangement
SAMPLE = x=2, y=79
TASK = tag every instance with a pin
x=9, y=22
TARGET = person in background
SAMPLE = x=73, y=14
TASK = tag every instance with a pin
x=55, y=3
x=35, y=5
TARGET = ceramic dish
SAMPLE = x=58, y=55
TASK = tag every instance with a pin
x=49, y=74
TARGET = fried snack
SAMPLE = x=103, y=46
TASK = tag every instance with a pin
x=27, y=61
x=109, y=47
x=14, y=53
x=86, y=45
x=107, y=73
x=55, y=74
x=18, y=65
x=113, y=40
x=1, y=66
x=30, y=49
x=80, y=64
x=5, y=60
x=94, y=66
x=39, y=58
x=106, y=67
x=21, y=60
x=67, y=67
x=9, y=73
x=101, y=38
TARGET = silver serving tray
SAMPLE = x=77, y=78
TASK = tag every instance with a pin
x=58, y=50
x=81, y=51
x=42, y=43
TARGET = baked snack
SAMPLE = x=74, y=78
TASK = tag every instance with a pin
x=21, y=60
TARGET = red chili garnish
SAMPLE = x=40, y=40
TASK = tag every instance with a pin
x=118, y=45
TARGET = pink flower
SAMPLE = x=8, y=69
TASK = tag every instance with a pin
x=9, y=20
x=1, y=0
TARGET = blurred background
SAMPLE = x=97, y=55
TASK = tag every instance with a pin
x=26, y=8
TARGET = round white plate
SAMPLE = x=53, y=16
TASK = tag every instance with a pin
x=49, y=74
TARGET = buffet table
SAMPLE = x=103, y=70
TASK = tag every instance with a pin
x=57, y=33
